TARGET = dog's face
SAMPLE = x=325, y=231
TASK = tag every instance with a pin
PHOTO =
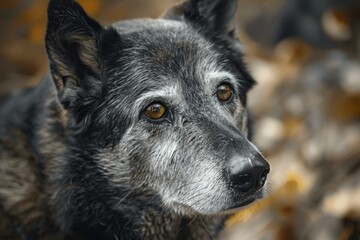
x=162, y=101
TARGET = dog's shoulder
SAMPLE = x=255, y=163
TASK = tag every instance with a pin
x=20, y=180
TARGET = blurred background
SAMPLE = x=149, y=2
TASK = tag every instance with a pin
x=305, y=55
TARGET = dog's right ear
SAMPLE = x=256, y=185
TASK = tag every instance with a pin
x=72, y=46
x=211, y=17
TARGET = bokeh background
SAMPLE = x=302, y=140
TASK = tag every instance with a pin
x=305, y=55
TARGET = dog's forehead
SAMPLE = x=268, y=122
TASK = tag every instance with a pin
x=162, y=51
x=162, y=42
x=139, y=25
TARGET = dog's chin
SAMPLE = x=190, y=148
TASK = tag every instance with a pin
x=240, y=202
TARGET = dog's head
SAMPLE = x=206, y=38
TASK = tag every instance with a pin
x=162, y=102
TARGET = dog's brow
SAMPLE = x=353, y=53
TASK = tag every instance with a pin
x=215, y=77
x=165, y=92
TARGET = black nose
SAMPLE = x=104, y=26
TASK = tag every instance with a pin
x=248, y=173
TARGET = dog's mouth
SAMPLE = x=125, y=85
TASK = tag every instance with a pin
x=239, y=203
x=237, y=206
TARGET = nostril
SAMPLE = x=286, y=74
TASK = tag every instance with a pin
x=243, y=182
x=251, y=181
x=262, y=179
x=247, y=175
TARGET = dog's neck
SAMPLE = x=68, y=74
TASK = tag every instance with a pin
x=168, y=226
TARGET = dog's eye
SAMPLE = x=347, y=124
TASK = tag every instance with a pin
x=224, y=92
x=155, y=111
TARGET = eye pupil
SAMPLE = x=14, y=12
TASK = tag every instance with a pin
x=155, y=111
x=224, y=92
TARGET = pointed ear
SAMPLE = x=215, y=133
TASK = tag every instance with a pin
x=209, y=16
x=72, y=46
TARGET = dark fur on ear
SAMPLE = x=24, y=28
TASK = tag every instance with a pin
x=72, y=45
x=211, y=17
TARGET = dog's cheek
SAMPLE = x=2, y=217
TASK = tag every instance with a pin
x=205, y=191
x=168, y=165
x=198, y=181
x=129, y=157
x=149, y=155
x=164, y=159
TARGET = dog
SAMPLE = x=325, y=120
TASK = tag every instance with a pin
x=141, y=132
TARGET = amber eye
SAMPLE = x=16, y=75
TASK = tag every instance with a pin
x=155, y=111
x=224, y=92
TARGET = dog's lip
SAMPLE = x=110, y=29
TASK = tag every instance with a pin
x=243, y=203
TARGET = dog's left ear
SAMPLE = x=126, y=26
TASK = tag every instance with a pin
x=211, y=17
x=72, y=41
